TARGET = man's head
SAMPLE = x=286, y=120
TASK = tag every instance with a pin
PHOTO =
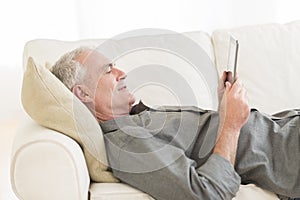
x=96, y=82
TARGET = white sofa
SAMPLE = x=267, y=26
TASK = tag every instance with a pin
x=49, y=165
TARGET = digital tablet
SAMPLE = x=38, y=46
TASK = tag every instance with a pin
x=232, y=59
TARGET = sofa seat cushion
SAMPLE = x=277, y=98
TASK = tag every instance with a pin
x=121, y=191
x=251, y=191
x=116, y=191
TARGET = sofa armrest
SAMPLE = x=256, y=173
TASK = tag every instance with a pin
x=47, y=165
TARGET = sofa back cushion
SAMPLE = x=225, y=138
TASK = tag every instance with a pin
x=268, y=63
x=167, y=75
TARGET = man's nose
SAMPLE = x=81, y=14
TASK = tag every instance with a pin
x=119, y=74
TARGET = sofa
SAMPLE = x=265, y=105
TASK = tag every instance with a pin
x=50, y=161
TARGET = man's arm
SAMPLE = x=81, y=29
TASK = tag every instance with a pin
x=234, y=112
x=179, y=179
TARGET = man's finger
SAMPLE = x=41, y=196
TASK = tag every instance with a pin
x=224, y=76
x=222, y=79
x=229, y=76
x=238, y=86
x=227, y=86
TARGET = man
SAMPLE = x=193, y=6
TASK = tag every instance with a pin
x=185, y=152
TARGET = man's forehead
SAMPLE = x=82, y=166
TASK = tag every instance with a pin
x=93, y=57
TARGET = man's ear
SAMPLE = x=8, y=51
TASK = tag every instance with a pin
x=82, y=93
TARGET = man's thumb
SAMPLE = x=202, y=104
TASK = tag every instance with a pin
x=227, y=85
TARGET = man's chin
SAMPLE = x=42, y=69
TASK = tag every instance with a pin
x=131, y=100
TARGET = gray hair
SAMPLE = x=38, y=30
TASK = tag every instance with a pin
x=68, y=70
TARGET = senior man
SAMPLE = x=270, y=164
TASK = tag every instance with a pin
x=185, y=152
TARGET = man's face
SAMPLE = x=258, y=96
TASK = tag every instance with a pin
x=106, y=83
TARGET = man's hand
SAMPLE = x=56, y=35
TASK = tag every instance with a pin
x=234, y=108
x=234, y=112
x=226, y=76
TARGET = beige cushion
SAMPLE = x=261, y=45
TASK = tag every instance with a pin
x=268, y=63
x=52, y=105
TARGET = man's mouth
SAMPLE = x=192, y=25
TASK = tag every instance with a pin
x=122, y=88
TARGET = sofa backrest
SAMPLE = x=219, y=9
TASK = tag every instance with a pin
x=166, y=74
x=268, y=65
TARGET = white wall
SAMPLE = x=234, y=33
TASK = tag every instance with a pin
x=114, y=16
x=74, y=19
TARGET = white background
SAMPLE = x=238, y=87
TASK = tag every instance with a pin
x=76, y=19
x=22, y=21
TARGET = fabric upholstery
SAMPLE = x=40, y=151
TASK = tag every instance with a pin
x=47, y=165
x=114, y=191
x=133, y=61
